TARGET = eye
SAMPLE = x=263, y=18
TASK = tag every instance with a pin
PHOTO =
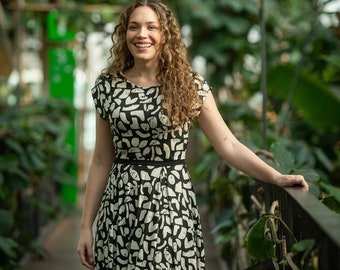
x=153, y=27
x=132, y=27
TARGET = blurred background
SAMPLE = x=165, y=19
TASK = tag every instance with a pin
x=275, y=71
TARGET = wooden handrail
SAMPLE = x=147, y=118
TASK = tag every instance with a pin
x=327, y=220
x=308, y=218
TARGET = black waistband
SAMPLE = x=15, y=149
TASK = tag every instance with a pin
x=150, y=162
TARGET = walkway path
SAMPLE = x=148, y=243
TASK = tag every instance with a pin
x=61, y=243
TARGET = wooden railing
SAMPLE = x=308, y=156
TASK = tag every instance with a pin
x=308, y=218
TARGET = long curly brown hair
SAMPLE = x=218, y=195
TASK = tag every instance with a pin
x=176, y=76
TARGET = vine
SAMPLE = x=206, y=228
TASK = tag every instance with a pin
x=262, y=241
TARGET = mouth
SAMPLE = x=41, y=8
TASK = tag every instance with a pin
x=143, y=45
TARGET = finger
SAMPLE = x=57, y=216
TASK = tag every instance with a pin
x=303, y=182
x=90, y=256
x=300, y=181
x=84, y=258
x=305, y=185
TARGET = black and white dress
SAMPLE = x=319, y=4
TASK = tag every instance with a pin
x=148, y=217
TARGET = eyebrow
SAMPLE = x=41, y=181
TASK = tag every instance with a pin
x=151, y=22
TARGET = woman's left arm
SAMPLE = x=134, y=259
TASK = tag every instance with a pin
x=235, y=153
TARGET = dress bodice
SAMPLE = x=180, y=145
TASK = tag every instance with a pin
x=140, y=127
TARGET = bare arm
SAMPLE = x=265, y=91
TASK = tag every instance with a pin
x=102, y=160
x=235, y=153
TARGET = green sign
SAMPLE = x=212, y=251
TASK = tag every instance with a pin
x=61, y=65
x=57, y=27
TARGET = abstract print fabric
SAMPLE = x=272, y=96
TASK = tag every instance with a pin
x=148, y=217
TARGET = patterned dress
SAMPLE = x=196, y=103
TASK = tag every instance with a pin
x=148, y=217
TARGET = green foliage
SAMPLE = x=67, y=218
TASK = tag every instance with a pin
x=304, y=246
x=225, y=223
x=331, y=196
x=284, y=159
x=313, y=99
x=229, y=190
x=331, y=73
x=32, y=166
x=302, y=66
x=8, y=247
x=219, y=32
x=258, y=246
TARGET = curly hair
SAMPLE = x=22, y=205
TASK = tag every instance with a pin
x=177, y=79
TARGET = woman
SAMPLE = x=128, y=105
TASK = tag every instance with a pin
x=138, y=182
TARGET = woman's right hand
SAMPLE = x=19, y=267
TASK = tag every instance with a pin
x=85, y=248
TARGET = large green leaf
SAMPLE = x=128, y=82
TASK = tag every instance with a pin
x=310, y=174
x=283, y=157
x=318, y=104
x=258, y=246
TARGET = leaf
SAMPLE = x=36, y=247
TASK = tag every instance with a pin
x=332, y=71
x=283, y=157
x=241, y=5
x=331, y=190
x=304, y=155
x=225, y=237
x=309, y=174
x=315, y=100
x=305, y=246
x=8, y=163
x=204, y=166
x=314, y=188
x=322, y=157
x=19, y=181
x=13, y=145
x=8, y=246
x=332, y=204
x=38, y=250
x=7, y=221
x=233, y=175
x=237, y=25
x=223, y=220
x=219, y=185
x=259, y=247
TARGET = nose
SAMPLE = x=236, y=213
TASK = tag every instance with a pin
x=142, y=32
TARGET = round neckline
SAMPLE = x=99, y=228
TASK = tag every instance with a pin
x=135, y=85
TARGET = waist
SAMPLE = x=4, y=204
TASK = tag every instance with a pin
x=166, y=162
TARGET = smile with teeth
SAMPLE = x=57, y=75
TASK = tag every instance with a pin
x=143, y=45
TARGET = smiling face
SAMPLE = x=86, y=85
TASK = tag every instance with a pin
x=143, y=36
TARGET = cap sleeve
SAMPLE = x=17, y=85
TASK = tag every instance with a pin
x=101, y=95
x=202, y=86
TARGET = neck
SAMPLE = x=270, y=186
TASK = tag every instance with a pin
x=143, y=74
x=145, y=68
